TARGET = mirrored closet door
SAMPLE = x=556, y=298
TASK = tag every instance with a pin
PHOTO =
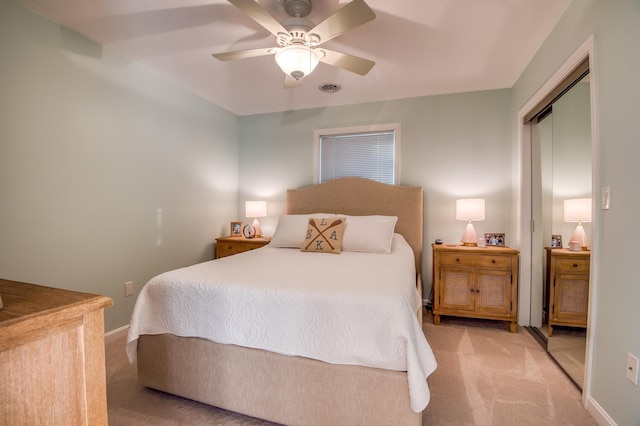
x=561, y=195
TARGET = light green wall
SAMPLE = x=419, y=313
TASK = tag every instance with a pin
x=91, y=147
x=615, y=25
x=454, y=146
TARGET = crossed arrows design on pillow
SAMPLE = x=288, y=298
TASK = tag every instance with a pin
x=333, y=224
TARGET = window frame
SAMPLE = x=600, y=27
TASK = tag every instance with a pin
x=390, y=127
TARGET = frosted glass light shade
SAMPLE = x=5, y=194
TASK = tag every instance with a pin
x=470, y=209
x=297, y=60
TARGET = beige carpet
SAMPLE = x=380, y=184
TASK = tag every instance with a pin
x=486, y=376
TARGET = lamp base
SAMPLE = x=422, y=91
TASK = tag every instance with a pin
x=469, y=238
x=257, y=227
x=580, y=237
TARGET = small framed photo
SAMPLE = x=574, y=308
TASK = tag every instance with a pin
x=494, y=239
x=236, y=229
x=556, y=241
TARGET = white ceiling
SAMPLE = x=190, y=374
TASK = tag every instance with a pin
x=421, y=47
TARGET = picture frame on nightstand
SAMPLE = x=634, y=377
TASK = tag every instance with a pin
x=556, y=241
x=236, y=229
x=494, y=239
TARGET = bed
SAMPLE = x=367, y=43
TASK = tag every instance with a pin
x=320, y=370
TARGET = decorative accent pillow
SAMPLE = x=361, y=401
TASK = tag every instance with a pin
x=369, y=234
x=291, y=229
x=324, y=235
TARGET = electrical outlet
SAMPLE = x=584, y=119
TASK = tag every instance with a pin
x=128, y=288
x=632, y=369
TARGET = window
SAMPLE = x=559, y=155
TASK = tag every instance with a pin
x=370, y=152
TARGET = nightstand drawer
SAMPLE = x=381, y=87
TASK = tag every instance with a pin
x=228, y=246
x=228, y=251
x=572, y=265
x=474, y=260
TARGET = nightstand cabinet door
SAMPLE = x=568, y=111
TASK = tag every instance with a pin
x=456, y=290
x=475, y=282
x=493, y=293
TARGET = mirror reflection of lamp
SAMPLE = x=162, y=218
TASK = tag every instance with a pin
x=470, y=209
x=578, y=210
x=256, y=209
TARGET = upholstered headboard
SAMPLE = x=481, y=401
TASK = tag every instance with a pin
x=358, y=196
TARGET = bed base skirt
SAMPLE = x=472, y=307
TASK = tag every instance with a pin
x=283, y=389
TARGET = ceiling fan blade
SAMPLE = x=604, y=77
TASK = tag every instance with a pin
x=242, y=54
x=256, y=12
x=348, y=62
x=350, y=16
x=290, y=82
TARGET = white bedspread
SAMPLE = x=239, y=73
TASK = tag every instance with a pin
x=348, y=308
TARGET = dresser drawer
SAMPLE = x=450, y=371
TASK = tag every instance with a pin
x=475, y=261
x=564, y=264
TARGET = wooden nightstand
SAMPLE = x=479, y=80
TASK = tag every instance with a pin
x=227, y=246
x=568, y=287
x=475, y=283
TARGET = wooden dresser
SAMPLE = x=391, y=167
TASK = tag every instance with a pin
x=567, y=285
x=227, y=246
x=476, y=283
x=52, y=361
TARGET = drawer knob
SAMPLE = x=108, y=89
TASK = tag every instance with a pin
x=457, y=259
x=575, y=265
x=493, y=261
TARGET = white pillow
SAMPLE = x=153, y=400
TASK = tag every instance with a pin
x=370, y=234
x=292, y=229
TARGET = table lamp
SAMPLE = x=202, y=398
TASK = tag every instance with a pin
x=256, y=209
x=470, y=209
x=578, y=210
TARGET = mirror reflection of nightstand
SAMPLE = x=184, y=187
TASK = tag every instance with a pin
x=567, y=284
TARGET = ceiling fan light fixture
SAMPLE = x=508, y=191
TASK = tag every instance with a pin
x=297, y=60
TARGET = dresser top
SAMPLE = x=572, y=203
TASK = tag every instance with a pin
x=555, y=251
x=23, y=301
x=480, y=250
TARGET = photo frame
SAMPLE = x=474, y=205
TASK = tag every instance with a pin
x=556, y=241
x=235, y=229
x=494, y=239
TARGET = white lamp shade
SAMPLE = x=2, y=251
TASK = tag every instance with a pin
x=255, y=208
x=297, y=60
x=577, y=210
x=470, y=209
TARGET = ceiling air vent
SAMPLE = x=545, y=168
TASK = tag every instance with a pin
x=330, y=88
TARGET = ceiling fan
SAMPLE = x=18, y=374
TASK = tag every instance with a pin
x=299, y=40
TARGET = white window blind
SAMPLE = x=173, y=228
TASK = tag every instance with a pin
x=370, y=155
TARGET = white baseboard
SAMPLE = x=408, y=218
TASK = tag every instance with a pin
x=113, y=334
x=597, y=412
